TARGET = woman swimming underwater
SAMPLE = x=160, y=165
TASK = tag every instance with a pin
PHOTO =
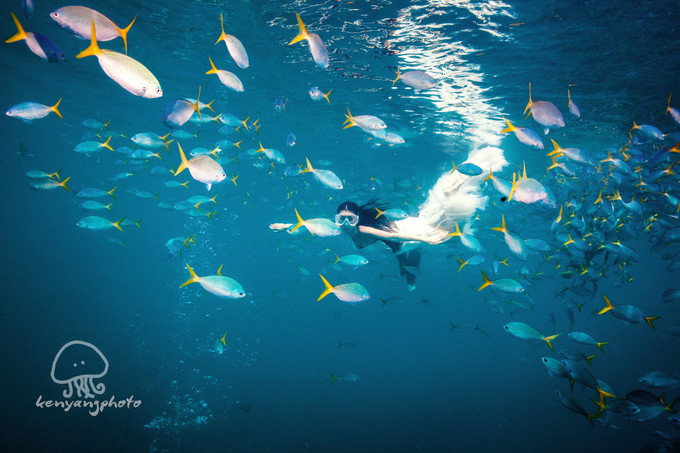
x=454, y=199
x=366, y=226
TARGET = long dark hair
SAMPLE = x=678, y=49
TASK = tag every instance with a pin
x=367, y=214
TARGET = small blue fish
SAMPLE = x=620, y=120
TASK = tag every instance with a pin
x=316, y=94
x=279, y=105
x=291, y=140
x=469, y=169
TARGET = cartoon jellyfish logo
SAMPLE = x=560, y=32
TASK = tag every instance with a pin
x=81, y=364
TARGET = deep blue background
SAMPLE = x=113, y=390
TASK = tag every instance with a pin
x=422, y=386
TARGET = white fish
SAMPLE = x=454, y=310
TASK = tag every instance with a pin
x=316, y=45
x=202, y=168
x=325, y=177
x=125, y=71
x=228, y=79
x=234, y=46
x=419, y=80
x=77, y=20
x=29, y=111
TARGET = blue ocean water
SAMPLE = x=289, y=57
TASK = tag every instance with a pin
x=424, y=370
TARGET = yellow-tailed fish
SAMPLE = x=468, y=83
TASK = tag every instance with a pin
x=346, y=292
x=627, y=313
x=545, y=113
x=367, y=123
x=218, y=285
x=29, y=111
x=39, y=44
x=228, y=79
x=317, y=227
x=525, y=332
x=506, y=285
x=202, y=168
x=419, y=80
x=325, y=177
x=513, y=241
x=524, y=135
x=316, y=45
x=96, y=223
x=77, y=20
x=234, y=46
x=125, y=71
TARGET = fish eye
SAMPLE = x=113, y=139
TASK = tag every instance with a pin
x=505, y=327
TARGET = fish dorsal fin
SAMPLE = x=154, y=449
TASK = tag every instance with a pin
x=524, y=174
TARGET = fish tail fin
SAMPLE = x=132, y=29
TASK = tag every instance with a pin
x=63, y=184
x=557, y=148
x=335, y=378
x=530, y=101
x=668, y=108
x=550, y=339
x=457, y=232
x=117, y=224
x=188, y=240
x=260, y=149
x=589, y=358
x=501, y=228
x=223, y=35
x=108, y=206
x=649, y=320
x=194, y=278
x=350, y=120
x=337, y=258
x=185, y=162
x=599, y=345
x=110, y=192
x=213, y=69
x=303, y=31
x=55, y=109
x=487, y=282
x=607, y=308
x=21, y=34
x=309, y=167
x=398, y=76
x=93, y=49
x=510, y=127
x=514, y=186
x=208, y=106
x=379, y=212
x=106, y=143
x=462, y=264
x=299, y=223
x=490, y=175
x=590, y=418
x=326, y=292
x=325, y=95
x=124, y=31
